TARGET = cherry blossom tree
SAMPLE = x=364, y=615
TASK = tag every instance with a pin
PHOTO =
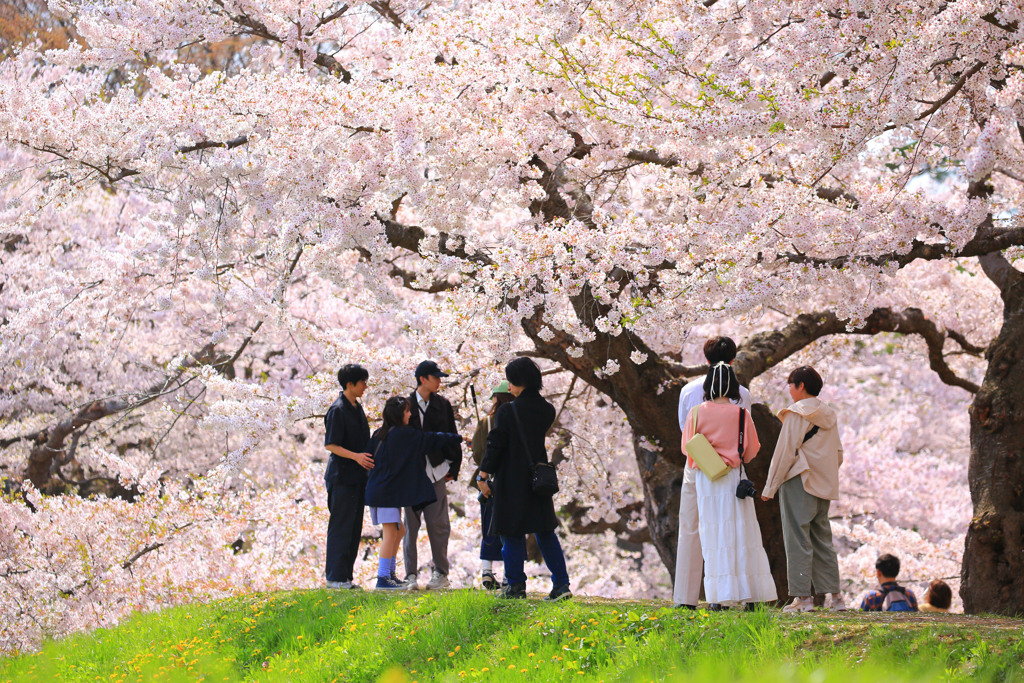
x=193, y=243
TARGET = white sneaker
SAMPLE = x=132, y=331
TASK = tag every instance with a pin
x=438, y=581
x=835, y=602
x=410, y=582
x=800, y=605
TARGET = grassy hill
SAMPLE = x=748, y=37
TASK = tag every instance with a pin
x=469, y=635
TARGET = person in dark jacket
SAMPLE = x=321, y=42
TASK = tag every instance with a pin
x=432, y=412
x=398, y=480
x=490, y=544
x=346, y=435
x=514, y=444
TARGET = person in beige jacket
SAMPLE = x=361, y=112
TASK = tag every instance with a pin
x=805, y=473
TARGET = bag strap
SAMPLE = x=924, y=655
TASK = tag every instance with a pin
x=809, y=434
x=522, y=436
x=743, y=424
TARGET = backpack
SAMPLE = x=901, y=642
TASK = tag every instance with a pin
x=896, y=600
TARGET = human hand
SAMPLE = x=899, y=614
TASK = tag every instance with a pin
x=485, y=488
x=365, y=460
x=448, y=478
x=765, y=498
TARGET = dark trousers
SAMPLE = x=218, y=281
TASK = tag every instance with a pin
x=490, y=544
x=513, y=551
x=344, y=528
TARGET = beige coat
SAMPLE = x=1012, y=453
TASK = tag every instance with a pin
x=817, y=461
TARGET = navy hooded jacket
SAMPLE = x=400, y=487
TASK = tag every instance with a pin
x=399, y=475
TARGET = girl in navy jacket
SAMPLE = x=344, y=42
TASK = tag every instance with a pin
x=399, y=479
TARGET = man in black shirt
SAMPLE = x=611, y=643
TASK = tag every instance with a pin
x=346, y=436
x=433, y=413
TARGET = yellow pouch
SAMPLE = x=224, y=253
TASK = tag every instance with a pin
x=705, y=455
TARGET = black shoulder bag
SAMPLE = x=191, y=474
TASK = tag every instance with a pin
x=543, y=476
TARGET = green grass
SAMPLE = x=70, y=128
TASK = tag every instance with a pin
x=468, y=635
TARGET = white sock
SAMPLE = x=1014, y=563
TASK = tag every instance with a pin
x=486, y=566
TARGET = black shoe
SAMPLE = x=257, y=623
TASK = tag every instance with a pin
x=715, y=607
x=750, y=607
x=685, y=606
x=559, y=593
x=513, y=591
x=490, y=582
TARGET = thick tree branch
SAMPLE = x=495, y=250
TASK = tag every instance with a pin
x=257, y=28
x=50, y=448
x=984, y=242
x=949, y=94
x=411, y=237
x=1000, y=271
x=767, y=349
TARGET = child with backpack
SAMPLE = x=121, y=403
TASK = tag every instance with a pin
x=399, y=480
x=890, y=596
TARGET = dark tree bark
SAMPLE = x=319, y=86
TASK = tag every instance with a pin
x=993, y=566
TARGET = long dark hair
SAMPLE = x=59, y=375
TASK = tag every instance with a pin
x=393, y=415
x=721, y=382
x=503, y=398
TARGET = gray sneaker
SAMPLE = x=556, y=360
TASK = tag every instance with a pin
x=410, y=582
x=343, y=585
x=438, y=581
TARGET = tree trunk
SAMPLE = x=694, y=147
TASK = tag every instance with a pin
x=993, y=568
x=769, y=518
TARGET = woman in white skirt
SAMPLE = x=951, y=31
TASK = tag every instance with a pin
x=735, y=564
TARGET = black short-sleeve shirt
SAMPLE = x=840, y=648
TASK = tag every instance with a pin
x=345, y=425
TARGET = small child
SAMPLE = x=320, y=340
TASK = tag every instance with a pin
x=398, y=480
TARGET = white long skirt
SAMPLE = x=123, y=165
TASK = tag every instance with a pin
x=735, y=563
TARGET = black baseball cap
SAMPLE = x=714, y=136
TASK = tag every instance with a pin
x=428, y=368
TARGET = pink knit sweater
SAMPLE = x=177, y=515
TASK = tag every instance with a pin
x=720, y=424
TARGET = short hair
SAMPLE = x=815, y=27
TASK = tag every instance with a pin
x=721, y=381
x=809, y=377
x=523, y=372
x=888, y=565
x=719, y=350
x=352, y=374
x=939, y=594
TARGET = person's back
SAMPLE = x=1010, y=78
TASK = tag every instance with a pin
x=890, y=596
x=720, y=425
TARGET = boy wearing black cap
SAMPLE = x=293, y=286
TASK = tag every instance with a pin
x=433, y=413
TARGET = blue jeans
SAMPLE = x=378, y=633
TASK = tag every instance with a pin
x=513, y=551
x=490, y=544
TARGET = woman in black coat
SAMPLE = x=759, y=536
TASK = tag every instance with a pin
x=513, y=445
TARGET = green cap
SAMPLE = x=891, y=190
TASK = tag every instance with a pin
x=501, y=388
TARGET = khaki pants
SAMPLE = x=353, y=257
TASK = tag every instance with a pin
x=810, y=556
x=439, y=528
x=689, y=558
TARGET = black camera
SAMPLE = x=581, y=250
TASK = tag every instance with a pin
x=745, y=489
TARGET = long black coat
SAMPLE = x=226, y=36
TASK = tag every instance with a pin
x=517, y=510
